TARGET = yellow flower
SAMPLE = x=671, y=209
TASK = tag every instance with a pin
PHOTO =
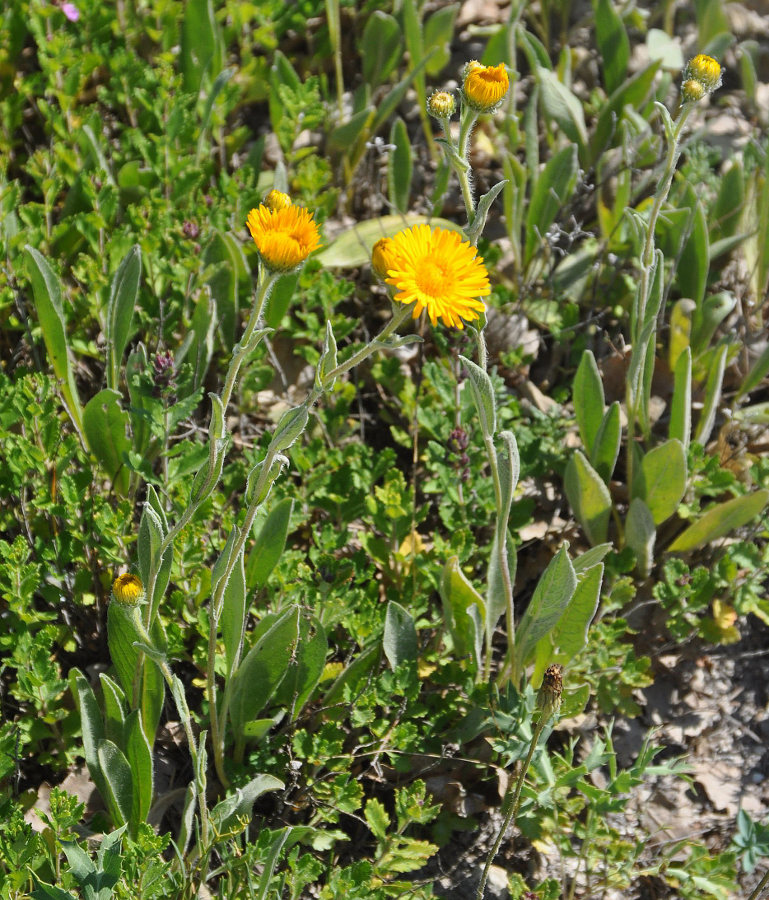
x=692, y=91
x=706, y=70
x=128, y=590
x=438, y=272
x=383, y=256
x=277, y=200
x=442, y=105
x=485, y=86
x=284, y=237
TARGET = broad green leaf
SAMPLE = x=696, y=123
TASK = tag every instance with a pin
x=91, y=725
x=377, y=818
x=269, y=545
x=399, y=166
x=114, y=710
x=105, y=425
x=483, y=395
x=438, y=34
x=46, y=289
x=708, y=317
x=464, y=612
x=381, y=48
x=681, y=405
x=563, y=107
x=277, y=842
x=305, y=669
x=712, y=396
x=613, y=43
x=680, y=329
x=201, y=45
x=726, y=211
x=241, y=803
x=118, y=781
x=81, y=866
x=291, y=425
x=234, y=613
x=551, y=596
x=591, y=558
x=640, y=534
x=353, y=247
x=694, y=260
x=607, y=443
x=263, y=669
x=400, y=636
x=346, y=135
x=661, y=481
x=589, y=498
x=139, y=755
x=553, y=189
x=120, y=310
x=720, y=520
x=588, y=399
x=45, y=891
x=665, y=49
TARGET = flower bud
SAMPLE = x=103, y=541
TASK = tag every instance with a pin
x=549, y=696
x=277, y=200
x=442, y=105
x=383, y=256
x=705, y=70
x=128, y=590
x=692, y=91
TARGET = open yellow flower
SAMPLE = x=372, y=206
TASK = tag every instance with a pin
x=128, y=590
x=706, y=70
x=485, y=86
x=284, y=237
x=438, y=272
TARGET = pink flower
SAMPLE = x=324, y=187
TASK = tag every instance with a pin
x=70, y=11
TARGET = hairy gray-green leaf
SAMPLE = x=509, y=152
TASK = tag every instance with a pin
x=661, y=481
x=400, y=636
x=105, y=425
x=120, y=310
x=640, y=534
x=720, y=520
x=589, y=498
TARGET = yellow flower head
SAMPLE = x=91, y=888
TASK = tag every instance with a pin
x=383, y=256
x=284, y=237
x=438, y=272
x=277, y=200
x=442, y=105
x=706, y=70
x=692, y=91
x=485, y=86
x=128, y=590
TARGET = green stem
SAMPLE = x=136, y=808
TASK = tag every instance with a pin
x=512, y=809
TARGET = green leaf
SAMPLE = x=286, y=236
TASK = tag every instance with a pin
x=269, y=545
x=198, y=345
x=120, y=310
x=264, y=667
x=589, y=498
x=756, y=375
x=346, y=135
x=681, y=405
x=201, y=45
x=712, y=396
x=91, y=726
x=353, y=247
x=327, y=362
x=114, y=710
x=377, y=818
x=708, y=317
x=640, y=534
x=607, y=443
x=661, y=481
x=720, y=520
x=464, y=612
x=399, y=166
x=139, y=754
x=381, y=48
x=305, y=669
x=483, y=395
x=551, y=596
x=105, y=425
x=680, y=329
x=552, y=191
x=665, y=49
x=291, y=425
x=118, y=781
x=400, y=636
x=223, y=283
x=564, y=108
x=227, y=812
x=694, y=261
x=46, y=289
x=45, y=891
x=588, y=399
x=613, y=43
x=726, y=212
x=438, y=33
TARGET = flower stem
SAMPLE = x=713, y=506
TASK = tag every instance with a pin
x=760, y=886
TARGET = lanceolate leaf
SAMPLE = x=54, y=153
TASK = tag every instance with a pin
x=122, y=300
x=721, y=520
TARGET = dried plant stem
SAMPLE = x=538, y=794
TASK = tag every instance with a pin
x=760, y=886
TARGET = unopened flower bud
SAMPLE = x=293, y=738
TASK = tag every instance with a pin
x=706, y=70
x=442, y=105
x=277, y=200
x=549, y=696
x=128, y=590
x=383, y=256
x=692, y=91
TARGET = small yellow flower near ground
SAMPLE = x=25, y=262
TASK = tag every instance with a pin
x=277, y=200
x=128, y=590
x=485, y=86
x=383, y=256
x=442, y=105
x=438, y=272
x=284, y=237
x=704, y=69
x=692, y=91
